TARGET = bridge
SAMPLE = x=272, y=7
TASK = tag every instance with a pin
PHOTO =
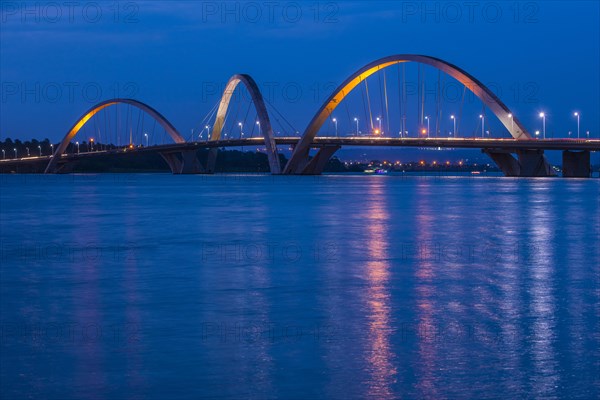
x=520, y=154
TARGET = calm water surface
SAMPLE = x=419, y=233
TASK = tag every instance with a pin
x=167, y=287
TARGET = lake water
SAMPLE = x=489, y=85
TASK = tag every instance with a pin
x=166, y=287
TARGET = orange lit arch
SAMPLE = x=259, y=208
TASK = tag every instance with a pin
x=170, y=129
x=299, y=157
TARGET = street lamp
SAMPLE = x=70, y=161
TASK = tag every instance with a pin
x=207, y=127
x=543, y=117
x=454, y=120
x=379, y=120
x=51, y=148
x=259, y=128
x=146, y=136
x=77, y=143
x=27, y=148
x=3, y=154
x=92, y=144
x=577, y=115
x=512, y=122
x=537, y=133
x=40, y=149
x=15, y=149
x=482, y=123
x=427, y=119
x=356, y=120
x=587, y=134
x=336, y=129
x=241, y=126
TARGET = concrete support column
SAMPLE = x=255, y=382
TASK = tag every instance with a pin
x=505, y=161
x=576, y=164
x=317, y=164
x=530, y=163
x=534, y=163
x=184, y=162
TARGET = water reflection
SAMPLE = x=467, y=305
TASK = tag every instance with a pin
x=380, y=357
x=543, y=297
x=425, y=274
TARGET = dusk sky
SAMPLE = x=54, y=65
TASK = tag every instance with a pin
x=57, y=62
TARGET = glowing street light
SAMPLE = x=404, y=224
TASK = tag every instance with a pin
x=259, y=128
x=577, y=115
x=587, y=134
x=482, y=123
x=512, y=122
x=336, y=129
x=51, y=148
x=537, y=133
x=27, y=148
x=241, y=126
x=146, y=136
x=77, y=143
x=427, y=119
x=15, y=149
x=379, y=120
x=207, y=127
x=40, y=149
x=356, y=120
x=543, y=117
x=3, y=154
x=454, y=120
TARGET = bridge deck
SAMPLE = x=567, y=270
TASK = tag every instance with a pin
x=448, y=143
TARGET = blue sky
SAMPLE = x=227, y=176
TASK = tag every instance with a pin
x=175, y=56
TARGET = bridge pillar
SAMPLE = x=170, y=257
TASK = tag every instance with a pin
x=576, y=164
x=534, y=163
x=211, y=160
x=317, y=164
x=530, y=163
x=505, y=161
x=183, y=162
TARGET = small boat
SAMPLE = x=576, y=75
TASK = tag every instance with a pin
x=381, y=171
x=475, y=172
x=369, y=171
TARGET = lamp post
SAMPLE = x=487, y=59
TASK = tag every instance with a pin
x=512, y=123
x=207, y=127
x=336, y=129
x=356, y=120
x=482, y=123
x=587, y=134
x=27, y=148
x=241, y=126
x=40, y=149
x=577, y=115
x=427, y=119
x=15, y=149
x=543, y=117
x=379, y=120
x=3, y=154
x=77, y=143
x=259, y=128
x=51, y=148
x=537, y=133
x=454, y=120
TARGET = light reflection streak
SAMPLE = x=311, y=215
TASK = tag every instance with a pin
x=425, y=272
x=542, y=307
x=380, y=356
